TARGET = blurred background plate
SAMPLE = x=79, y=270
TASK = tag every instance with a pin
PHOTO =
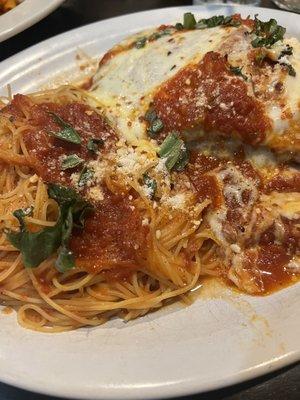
x=27, y=13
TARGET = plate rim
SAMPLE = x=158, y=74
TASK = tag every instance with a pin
x=187, y=387
x=174, y=390
x=24, y=16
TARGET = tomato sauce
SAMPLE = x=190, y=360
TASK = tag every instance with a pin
x=281, y=183
x=208, y=95
x=206, y=186
x=271, y=261
x=113, y=238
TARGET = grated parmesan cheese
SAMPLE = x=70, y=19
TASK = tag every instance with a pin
x=95, y=193
x=176, y=202
x=99, y=167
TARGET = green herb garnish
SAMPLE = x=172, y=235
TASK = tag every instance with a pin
x=36, y=247
x=67, y=133
x=267, y=33
x=151, y=185
x=21, y=213
x=93, y=144
x=140, y=42
x=288, y=51
x=217, y=20
x=71, y=161
x=159, y=34
x=174, y=150
x=189, y=21
x=238, y=71
x=86, y=176
x=179, y=26
x=156, y=124
x=291, y=70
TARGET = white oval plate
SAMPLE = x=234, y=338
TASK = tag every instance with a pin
x=222, y=339
x=24, y=15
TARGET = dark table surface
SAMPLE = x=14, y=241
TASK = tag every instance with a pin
x=281, y=385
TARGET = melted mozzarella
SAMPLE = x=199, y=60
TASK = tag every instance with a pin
x=127, y=81
x=125, y=84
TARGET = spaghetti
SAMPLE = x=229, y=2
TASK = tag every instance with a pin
x=98, y=288
x=139, y=224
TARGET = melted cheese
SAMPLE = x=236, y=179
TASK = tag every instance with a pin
x=125, y=84
x=127, y=80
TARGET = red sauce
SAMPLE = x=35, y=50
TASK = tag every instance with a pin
x=271, y=262
x=281, y=183
x=113, y=237
x=206, y=186
x=245, y=21
x=45, y=150
x=208, y=95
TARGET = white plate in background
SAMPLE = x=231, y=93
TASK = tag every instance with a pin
x=222, y=339
x=25, y=14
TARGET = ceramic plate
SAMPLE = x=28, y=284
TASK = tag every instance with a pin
x=222, y=339
x=24, y=15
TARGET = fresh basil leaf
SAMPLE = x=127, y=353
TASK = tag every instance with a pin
x=151, y=184
x=36, y=247
x=86, y=176
x=67, y=133
x=62, y=194
x=267, y=33
x=217, y=20
x=174, y=150
x=93, y=144
x=21, y=213
x=238, y=71
x=189, y=21
x=140, y=42
x=71, y=161
x=65, y=259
